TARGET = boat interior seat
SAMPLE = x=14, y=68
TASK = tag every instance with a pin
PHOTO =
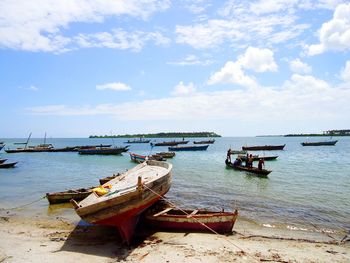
x=163, y=212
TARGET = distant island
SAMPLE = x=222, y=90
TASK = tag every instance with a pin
x=325, y=133
x=161, y=135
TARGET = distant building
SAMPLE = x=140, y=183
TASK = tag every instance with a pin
x=337, y=132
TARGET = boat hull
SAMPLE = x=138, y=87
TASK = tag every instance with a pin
x=263, y=148
x=253, y=170
x=65, y=197
x=329, y=143
x=204, y=142
x=8, y=165
x=189, y=148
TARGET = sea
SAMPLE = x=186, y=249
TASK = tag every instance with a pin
x=308, y=189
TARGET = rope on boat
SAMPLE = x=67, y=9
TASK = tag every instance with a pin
x=209, y=228
x=21, y=206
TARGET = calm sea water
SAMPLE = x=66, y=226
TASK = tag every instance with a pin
x=309, y=186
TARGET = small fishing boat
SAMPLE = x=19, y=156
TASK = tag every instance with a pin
x=170, y=218
x=66, y=196
x=129, y=195
x=324, y=143
x=189, y=148
x=169, y=143
x=8, y=165
x=257, y=157
x=141, y=140
x=2, y=160
x=103, y=150
x=254, y=170
x=263, y=148
x=138, y=158
x=204, y=142
x=166, y=154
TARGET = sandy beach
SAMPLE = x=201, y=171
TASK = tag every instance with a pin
x=59, y=240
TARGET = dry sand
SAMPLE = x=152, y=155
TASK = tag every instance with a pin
x=38, y=240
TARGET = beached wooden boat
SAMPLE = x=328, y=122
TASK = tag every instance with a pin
x=263, y=148
x=204, y=142
x=141, y=140
x=103, y=150
x=2, y=160
x=169, y=143
x=166, y=154
x=257, y=157
x=8, y=165
x=129, y=196
x=254, y=170
x=189, y=148
x=138, y=158
x=170, y=218
x=324, y=143
x=66, y=196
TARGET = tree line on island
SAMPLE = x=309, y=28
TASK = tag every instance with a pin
x=161, y=135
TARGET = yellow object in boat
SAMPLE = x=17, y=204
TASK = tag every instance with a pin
x=102, y=190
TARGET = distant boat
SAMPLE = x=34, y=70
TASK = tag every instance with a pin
x=254, y=170
x=170, y=218
x=103, y=151
x=8, y=165
x=66, y=196
x=324, y=143
x=129, y=195
x=138, y=158
x=189, y=148
x=169, y=143
x=166, y=154
x=204, y=142
x=263, y=148
x=238, y=152
x=141, y=140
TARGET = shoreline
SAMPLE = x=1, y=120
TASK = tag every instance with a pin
x=57, y=239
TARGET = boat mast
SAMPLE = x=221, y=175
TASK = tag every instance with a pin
x=30, y=134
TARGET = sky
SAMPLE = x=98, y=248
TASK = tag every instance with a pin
x=74, y=68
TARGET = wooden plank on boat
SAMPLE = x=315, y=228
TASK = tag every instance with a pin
x=193, y=213
x=163, y=212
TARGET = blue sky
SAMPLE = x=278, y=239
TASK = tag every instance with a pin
x=73, y=68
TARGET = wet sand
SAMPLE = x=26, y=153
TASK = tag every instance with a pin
x=60, y=240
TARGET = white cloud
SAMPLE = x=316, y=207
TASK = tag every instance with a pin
x=37, y=25
x=118, y=86
x=258, y=60
x=298, y=66
x=334, y=34
x=345, y=73
x=33, y=88
x=183, y=90
x=192, y=60
x=271, y=6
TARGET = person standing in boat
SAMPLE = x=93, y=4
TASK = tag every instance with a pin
x=250, y=161
x=228, y=157
x=261, y=163
x=247, y=160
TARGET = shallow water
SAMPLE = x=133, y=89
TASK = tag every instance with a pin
x=308, y=190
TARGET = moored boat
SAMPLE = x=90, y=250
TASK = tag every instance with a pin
x=129, y=196
x=170, y=218
x=169, y=143
x=257, y=157
x=8, y=165
x=263, y=147
x=254, y=170
x=166, y=154
x=138, y=158
x=189, y=148
x=204, y=142
x=103, y=150
x=325, y=143
x=66, y=196
x=141, y=140
x=2, y=160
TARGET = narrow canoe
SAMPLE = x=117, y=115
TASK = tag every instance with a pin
x=102, y=151
x=177, y=220
x=129, y=195
x=138, y=158
x=254, y=170
x=8, y=165
x=189, y=148
x=204, y=142
x=257, y=157
x=326, y=143
x=170, y=143
x=66, y=196
x=263, y=148
x=166, y=154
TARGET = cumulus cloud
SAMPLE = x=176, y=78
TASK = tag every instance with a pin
x=298, y=66
x=334, y=34
x=118, y=86
x=183, y=90
x=345, y=73
x=38, y=25
x=258, y=60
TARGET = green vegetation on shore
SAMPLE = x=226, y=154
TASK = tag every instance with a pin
x=161, y=135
